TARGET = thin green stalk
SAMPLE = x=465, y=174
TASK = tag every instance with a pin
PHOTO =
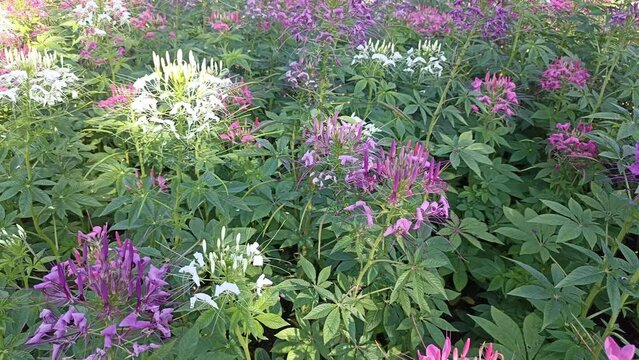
x=442, y=99
x=615, y=61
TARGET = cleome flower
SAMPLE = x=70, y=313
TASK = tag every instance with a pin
x=497, y=93
x=572, y=144
x=181, y=97
x=564, y=73
x=486, y=352
x=40, y=78
x=122, y=296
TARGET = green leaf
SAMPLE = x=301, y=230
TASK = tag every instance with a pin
x=271, y=321
x=319, y=311
x=558, y=208
x=568, y=232
x=399, y=284
x=534, y=292
x=614, y=295
x=603, y=115
x=331, y=325
x=504, y=330
x=582, y=275
x=532, y=330
x=115, y=204
x=308, y=268
x=551, y=219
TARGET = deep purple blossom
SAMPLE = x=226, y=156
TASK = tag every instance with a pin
x=564, y=72
x=110, y=281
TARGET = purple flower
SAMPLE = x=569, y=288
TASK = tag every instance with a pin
x=435, y=209
x=562, y=73
x=367, y=211
x=634, y=168
x=615, y=352
x=109, y=282
x=401, y=227
x=139, y=349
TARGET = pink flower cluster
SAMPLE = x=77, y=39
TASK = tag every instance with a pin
x=561, y=6
x=241, y=95
x=564, y=72
x=149, y=19
x=120, y=96
x=497, y=93
x=238, y=134
x=223, y=21
x=429, y=21
x=572, y=143
x=435, y=353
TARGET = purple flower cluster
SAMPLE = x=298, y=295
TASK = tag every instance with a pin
x=619, y=16
x=497, y=93
x=494, y=20
x=111, y=283
x=564, y=72
x=302, y=74
x=316, y=20
x=400, y=174
x=634, y=168
x=573, y=144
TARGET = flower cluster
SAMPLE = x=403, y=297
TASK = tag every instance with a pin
x=309, y=20
x=302, y=74
x=497, y=93
x=429, y=21
x=573, y=145
x=561, y=6
x=229, y=262
x=486, y=352
x=427, y=58
x=237, y=134
x=620, y=16
x=122, y=295
x=8, y=34
x=223, y=21
x=120, y=96
x=401, y=174
x=42, y=78
x=634, y=168
x=182, y=98
x=494, y=20
x=564, y=72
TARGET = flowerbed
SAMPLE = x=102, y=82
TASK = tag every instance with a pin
x=317, y=179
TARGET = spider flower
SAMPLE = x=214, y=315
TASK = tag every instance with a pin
x=433, y=352
x=111, y=282
x=572, y=144
x=563, y=73
x=497, y=93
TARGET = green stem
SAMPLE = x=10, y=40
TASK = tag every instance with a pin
x=244, y=342
x=594, y=291
x=369, y=262
x=442, y=99
x=615, y=61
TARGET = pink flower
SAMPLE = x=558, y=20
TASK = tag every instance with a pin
x=367, y=211
x=497, y=92
x=563, y=73
x=614, y=352
x=435, y=353
x=634, y=168
x=573, y=144
x=401, y=227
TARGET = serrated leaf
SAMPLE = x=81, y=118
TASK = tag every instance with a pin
x=319, y=311
x=271, y=321
x=331, y=325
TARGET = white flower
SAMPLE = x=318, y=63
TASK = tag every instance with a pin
x=262, y=282
x=144, y=103
x=200, y=259
x=204, y=298
x=191, y=269
x=226, y=287
x=258, y=260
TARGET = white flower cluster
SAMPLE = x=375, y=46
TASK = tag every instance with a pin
x=427, y=58
x=182, y=97
x=42, y=76
x=233, y=260
x=369, y=128
x=109, y=14
x=7, y=31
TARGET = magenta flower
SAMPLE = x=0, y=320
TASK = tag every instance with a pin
x=120, y=96
x=238, y=134
x=614, y=352
x=428, y=20
x=563, y=73
x=61, y=332
x=433, y=209
x=367, y=211
x=634, y=168
x=573, y=144
x=497, y=93
x=401, y=227
x=435, y=353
